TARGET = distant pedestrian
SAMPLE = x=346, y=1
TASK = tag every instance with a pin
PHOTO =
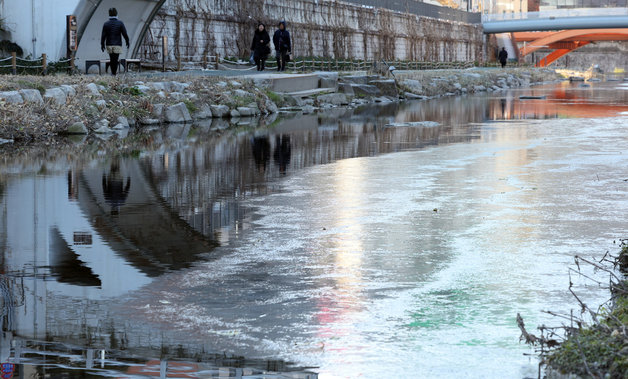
x=260, y=46
x=283, y=46
x=503, y=57
x=111, y=38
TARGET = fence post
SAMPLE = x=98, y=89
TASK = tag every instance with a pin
x=13, y=63
x=72, y=64
x=164, y=52
x=217, y=60
x=44, y=64
x=204, y=61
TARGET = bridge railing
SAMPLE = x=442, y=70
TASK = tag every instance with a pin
x=556, y=13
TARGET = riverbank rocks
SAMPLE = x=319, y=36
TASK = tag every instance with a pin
x=32, y=96
x=11, y=97
x=203, y=113
x=270, y=106
x=92, y=89
x=334, y=99
x=76, y=128
x=177, y=113
x=69, y=90
x=219, y=111
x=57, y=95
x=122, y=123
x=101, y=104
x=246, y=111
x=102, y=127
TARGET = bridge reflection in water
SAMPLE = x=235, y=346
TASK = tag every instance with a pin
x=78, y=240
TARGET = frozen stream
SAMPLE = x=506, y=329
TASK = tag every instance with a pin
x=349, y=249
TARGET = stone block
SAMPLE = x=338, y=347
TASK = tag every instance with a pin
x=57, y=95
x=32, y=96
x=177, y=113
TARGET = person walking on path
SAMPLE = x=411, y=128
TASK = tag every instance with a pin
x=283, y=46
x=503, y=57
x=260, y=47
x=111, y=38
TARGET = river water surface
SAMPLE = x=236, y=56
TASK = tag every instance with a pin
x=325, y=246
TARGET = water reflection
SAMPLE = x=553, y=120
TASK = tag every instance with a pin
x=272, y=242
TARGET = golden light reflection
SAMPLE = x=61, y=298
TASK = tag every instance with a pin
x=345, y=250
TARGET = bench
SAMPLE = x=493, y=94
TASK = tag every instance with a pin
x=126, y=62
x=123, y=62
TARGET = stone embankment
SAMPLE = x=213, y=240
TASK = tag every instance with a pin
x=35, y=109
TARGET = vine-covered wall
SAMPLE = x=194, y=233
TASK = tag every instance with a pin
x=320, y=28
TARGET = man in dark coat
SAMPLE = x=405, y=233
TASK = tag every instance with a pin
x=283, y=46
x=503, y=57
x=260, y=47
x=111, y=37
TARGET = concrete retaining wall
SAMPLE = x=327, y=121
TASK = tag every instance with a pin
x=319, y=28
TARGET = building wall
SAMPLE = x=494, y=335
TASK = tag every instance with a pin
x=318, y=27
x=38, y=26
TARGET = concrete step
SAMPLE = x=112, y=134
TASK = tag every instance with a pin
x=287, y=83
x=311, y=92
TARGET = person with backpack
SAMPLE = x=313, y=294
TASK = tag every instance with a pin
x=260, y=47
x=283, y=46
x=111, y=38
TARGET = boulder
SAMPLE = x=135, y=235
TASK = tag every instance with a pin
x=11, y=97
x=176, y=95
x=102, y=127
x=203, y=113
x=271, y=107
x=177, y=113
x=56, y=95
x=177, y=86
x=479, y=88
x=123, y=123
x=234, y=113
x=334, y=98
x=235, y=84
x=142, y=88
x=386, y=87
x=158, y=110
x=159, y=86
x=307, y=109
x=76, y=128
x=69, y=90
x=32, y=96
x=101, y=104
x=246, y=111
x=219, y=111
x=149, y=121
x=242, y=93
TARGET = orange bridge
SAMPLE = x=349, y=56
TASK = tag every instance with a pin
x=564, y=41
